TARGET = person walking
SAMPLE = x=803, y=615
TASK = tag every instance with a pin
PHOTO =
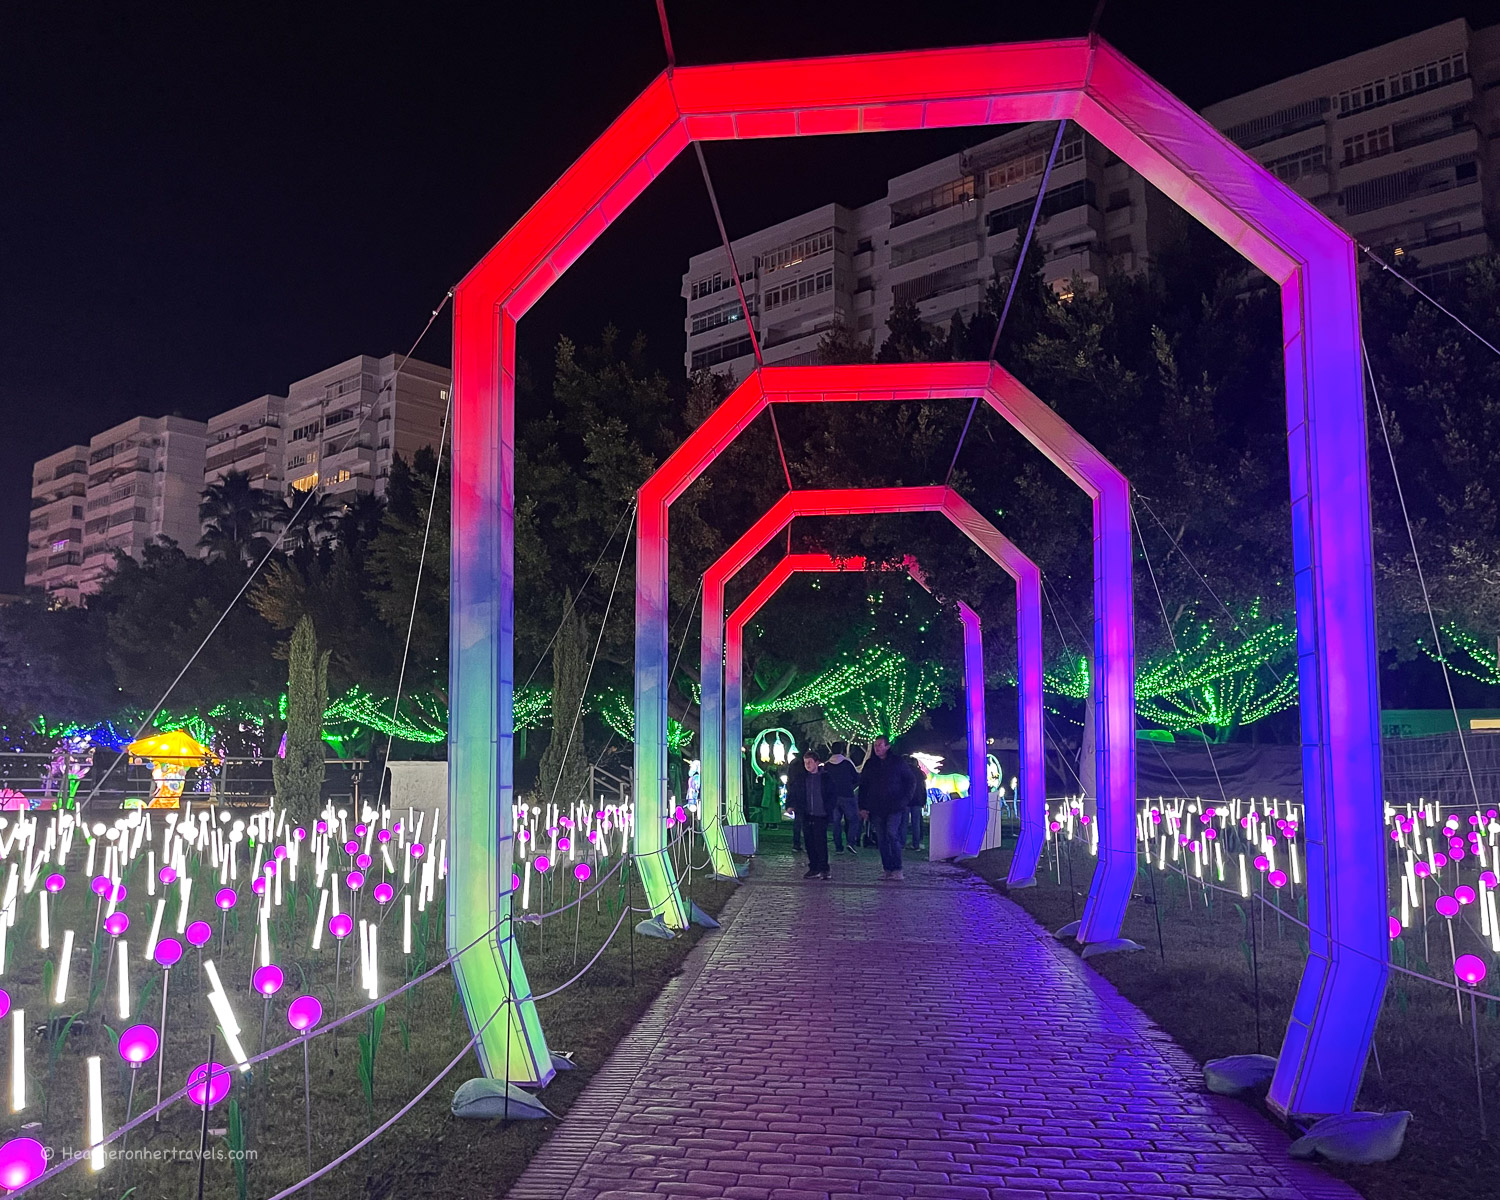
x=885, y=786
x=813, y=812
x=917, y=802
x=796, y=798
x=840, y=782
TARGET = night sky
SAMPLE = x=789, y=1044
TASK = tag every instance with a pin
x=202, y=203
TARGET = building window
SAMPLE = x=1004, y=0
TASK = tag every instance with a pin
x=722, y=353
x=723, y=314
x=1291, y=167
x=799, y=289
x=1031, y=164
x=303, y=432
x=305, y=483
x=1016, y=216
x=960, y=191
x=932, y=243
x=799, y=251
x=1370, y=144
x=1404, y=83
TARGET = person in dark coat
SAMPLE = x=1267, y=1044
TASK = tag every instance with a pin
x=840, y=782
x=813, y=812
x=796, y=798
x=885, y=787
x=917, y=803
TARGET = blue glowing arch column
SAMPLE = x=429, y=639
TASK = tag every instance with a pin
x=1311, y=260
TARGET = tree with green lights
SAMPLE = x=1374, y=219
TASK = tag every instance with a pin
x=1220, y=675
x=299, y=775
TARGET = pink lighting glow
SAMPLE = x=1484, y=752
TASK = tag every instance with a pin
x=1470, y=969
x=304, y=1012
x=208, y=1084
x=268, y=980
x=138, y=1044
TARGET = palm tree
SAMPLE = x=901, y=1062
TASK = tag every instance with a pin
x=311, y=519
x=360, y=521
x=236, y=516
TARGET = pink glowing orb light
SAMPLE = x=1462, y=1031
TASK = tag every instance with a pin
x=1277, y=879
x=208, y=1084
x=1395, y=928
x=55, y=883
x=4, y=1004
x=515, y=882
x=199, y=933
x=268, y=980
x=363, y=862
x=417, y=849
x=355, y=880
x=167, y=875
x=1464, y=894
x=258, y=886
x=22, y=1161
x=1447, y=906
x=543, y=863
x=279, y=853
x=341, y=925
x=139, y=1044
x=581, y=872
x=383, y=836
x=299, y=833
x=1421, y=870
x=304, y=1012
x=361, y=829
x=1487, y=878
x=1262, y=862
x=100, y=885
x=383, y=893
x=563, y=843
x=168, y=953
x=321, y=826
x=116, y=923
x=1470, y=969
x=225, y=899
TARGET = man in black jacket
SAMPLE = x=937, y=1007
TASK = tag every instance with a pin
x=840, y=782
x=885, y=788
x=811, y=807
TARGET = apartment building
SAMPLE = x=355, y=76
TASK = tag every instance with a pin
x=939, y=237
x=345, y=425
x=54, y=545
x=145, y=477
x=338, y=430
x=1392, y=143
x=248, y=440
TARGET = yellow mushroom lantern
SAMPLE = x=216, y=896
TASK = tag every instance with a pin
x=171, y=756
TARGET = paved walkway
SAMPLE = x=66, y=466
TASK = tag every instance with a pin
x=923, y=1039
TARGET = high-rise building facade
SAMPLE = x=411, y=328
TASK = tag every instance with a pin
x=248, y=440
x=345, y=425
x=1392, y=143
x=54, y=544
x=338, y=430
x=145, y=477
x=937, y=240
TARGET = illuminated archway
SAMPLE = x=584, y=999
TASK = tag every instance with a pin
x=1309, y=258
x=1114, y=673
x=1032, y=798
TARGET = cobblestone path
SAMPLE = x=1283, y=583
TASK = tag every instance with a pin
x=921, y=1039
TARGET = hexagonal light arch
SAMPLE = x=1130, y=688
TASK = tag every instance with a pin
x=1114, y=642
x=1311, y=260
x=1028, y=581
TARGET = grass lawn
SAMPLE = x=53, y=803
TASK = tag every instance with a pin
x=1196, y=982
x=428, y=1151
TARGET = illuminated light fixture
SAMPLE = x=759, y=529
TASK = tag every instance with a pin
x=1302, y=252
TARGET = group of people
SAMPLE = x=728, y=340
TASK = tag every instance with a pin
x=882, y=799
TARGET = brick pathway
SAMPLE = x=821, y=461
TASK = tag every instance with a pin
x=923, y=1039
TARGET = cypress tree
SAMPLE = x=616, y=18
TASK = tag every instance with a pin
x=299, y=773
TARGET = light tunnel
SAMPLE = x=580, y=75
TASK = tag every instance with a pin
x=1032, y=775
x=1310, y=259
